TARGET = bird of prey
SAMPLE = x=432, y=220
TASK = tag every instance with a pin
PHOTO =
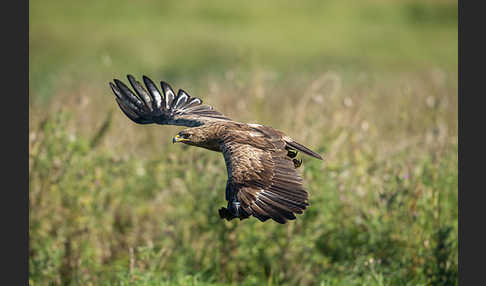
x=260, y=161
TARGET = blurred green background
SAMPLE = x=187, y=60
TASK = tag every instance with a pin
x=370, y=84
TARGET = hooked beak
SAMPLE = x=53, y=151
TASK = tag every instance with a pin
x=178, y=138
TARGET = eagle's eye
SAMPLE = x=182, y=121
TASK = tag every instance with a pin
x=185, y=135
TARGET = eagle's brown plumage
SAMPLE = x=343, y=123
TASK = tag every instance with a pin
x=262, y=177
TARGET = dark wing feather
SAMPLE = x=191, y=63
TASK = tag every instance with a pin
x=264, y=179
x=148, y=105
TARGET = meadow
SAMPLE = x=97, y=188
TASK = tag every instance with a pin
x=373, y=86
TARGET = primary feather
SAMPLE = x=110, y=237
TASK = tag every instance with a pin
x=151, y=106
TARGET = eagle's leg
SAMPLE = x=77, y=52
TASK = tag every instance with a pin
x=234, y=209
x=291, y=153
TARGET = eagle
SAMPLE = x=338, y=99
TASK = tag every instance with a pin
x=261, y=161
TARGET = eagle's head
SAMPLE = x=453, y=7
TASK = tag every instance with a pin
x=197, y=137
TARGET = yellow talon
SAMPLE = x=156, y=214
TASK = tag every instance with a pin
x=297, y=163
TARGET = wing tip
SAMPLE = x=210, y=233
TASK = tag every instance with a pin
x=151, y=102
x=117, y=81
x=148, y=81
x=112, y=85
x=131, y=79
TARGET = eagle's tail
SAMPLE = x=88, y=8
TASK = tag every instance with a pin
x=297, y=146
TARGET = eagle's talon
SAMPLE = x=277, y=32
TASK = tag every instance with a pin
x=297, y=163
x=223, y=212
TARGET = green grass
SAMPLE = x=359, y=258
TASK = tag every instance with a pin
x=177, y=39
x=371, y=85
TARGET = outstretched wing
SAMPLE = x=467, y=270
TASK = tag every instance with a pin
x=265, y=180
x=149, y=105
